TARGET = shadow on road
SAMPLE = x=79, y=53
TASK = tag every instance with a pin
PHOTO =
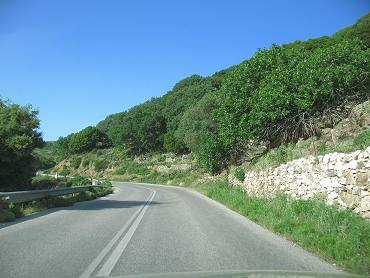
x=97, y=204
x=109, y=204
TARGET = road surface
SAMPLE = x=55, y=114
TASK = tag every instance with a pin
x=142, y=229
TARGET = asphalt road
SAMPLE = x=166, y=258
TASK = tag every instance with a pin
x=144, y=229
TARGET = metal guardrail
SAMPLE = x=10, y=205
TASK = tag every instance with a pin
x=30, y=195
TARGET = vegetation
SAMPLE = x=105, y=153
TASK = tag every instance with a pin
x=18, y=138
x=86, y=140
x=338, y=236
x=239, y=173
x=279, y=95
x=312, y=146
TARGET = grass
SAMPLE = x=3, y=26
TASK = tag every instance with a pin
x=337, y=236
x=311, y=146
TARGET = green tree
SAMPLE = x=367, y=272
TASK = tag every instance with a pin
x=19, y=136
x=88, y=139
x=197, y=122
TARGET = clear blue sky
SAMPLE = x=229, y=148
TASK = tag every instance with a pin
x=79, y=61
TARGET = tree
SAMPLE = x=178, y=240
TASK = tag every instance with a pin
x=197, y=122
x=88, y=139
x=19, y=136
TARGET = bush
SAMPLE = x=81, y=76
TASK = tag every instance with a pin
x=19, y=136
x=6, y=216
x=65, y=172
x=240, y=173
x=211, y=154
x=75, y=161
x=362, y=140
x=101, y=165
x=44, y=182
x=174, y=145
x=85, y=162
x=132, y=168
x=279, y=94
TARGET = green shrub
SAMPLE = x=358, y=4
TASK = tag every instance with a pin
x=277, y=94
x=85, y=162
x=100, y=165
x=362, y=140
x=65, y=171
x=44, y=182
x=239, y=173
x=211, y=154
x=75, y=161
x=6, y=216
x=174, y=145
x=132, y=168
x=88, y=139
x=78, y=181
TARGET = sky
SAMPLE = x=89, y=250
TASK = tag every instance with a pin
x=78, y=61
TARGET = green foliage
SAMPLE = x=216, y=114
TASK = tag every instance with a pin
x=44, y=157
x=132, y=168
x=101, y=165
x=278, y=91
x=151, y=126
x=336, y=235
x=88, y=139
x=361, y=30
x=197, y=122
x=65, y=171
x=239, y=173
x=143, y=129
x=85, y=162
x=362, y=140
x=174, y=145
x=19, y=136
x=44, y=182
x=211, y=154
x=75, y=161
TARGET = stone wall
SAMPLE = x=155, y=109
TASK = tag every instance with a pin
x=339, y=178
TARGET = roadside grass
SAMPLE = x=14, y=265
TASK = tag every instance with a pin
x=338, y=236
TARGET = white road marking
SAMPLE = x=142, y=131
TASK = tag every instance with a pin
x=91, y=268
x=117, y=252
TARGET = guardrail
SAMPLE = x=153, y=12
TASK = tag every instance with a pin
x=30, y=195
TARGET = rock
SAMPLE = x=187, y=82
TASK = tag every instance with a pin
x=331, y=173
x=325, y=182
x=356, y=190
x=331, y=198
x=351, y=165
x=365, y=204
x=362, y=178
x=350, y=179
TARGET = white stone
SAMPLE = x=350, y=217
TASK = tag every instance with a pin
x=351, y=165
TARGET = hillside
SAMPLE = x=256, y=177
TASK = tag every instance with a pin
x=280, y=95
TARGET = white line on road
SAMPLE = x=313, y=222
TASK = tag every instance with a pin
x=91, y=268
x=117, y=252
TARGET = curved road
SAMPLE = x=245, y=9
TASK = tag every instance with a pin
x=143, y=229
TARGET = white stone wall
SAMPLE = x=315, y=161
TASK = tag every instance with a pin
x=339, y=178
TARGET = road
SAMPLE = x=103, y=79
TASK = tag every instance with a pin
x=142, y=229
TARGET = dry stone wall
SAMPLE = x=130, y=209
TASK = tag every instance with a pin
x=339, y=178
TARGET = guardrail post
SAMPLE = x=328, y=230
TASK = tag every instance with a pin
x=56, y=175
